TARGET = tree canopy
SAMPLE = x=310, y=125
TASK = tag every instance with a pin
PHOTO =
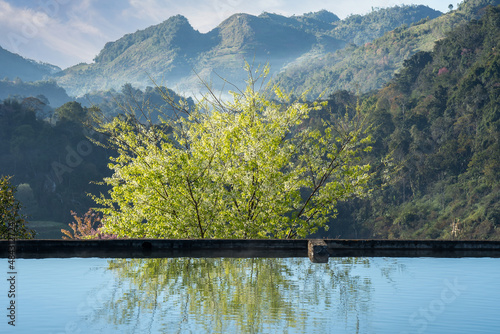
x=246, y=168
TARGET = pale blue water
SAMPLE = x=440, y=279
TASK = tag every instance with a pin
x=189, y=295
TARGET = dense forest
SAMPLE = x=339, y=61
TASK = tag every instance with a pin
x=51, y=162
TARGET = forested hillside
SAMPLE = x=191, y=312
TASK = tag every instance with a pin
x=371, y=65
x=151, y=101
x=439, y=119
x=52, y=164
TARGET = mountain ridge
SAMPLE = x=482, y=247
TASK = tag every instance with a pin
x=173, y=53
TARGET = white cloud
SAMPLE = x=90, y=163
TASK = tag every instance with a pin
x=153, y=10
x=20, y=25
x=85, y=28
x=24, y=20
x=65, y=32
x=56, y=34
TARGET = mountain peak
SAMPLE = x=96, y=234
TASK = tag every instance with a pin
x=174, y=28
x=178, y=21
x=322, y=15
x=237, y=18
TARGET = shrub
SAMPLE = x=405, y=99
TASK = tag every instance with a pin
x=13, y=225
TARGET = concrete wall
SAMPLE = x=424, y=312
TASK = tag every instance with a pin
x=318, y=250
x=126, y=248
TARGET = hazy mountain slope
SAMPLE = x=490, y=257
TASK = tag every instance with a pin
x=55, y=95
x=164, y=52
x=370, y=66
x=14, y=66
x=171, y=52
x=268, y=38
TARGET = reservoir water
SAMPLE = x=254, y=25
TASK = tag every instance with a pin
x=255, y=295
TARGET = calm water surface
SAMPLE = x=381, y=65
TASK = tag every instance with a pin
x=293, y=295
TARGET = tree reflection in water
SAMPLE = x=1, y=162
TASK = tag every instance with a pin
x=244, y=295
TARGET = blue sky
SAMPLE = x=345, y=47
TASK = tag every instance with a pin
x=67, y=32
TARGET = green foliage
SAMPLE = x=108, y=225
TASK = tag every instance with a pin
x=438, y=119
x=53, y=162
x=148, y=103
x=72, y=112
x=13, y=225
x=247, y=168
x=26, y=196
x=176, y=32
x=361, y=29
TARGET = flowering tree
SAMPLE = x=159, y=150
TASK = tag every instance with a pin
x=248, y=168
x=86, y=227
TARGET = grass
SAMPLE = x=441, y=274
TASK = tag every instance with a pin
x=47, y=229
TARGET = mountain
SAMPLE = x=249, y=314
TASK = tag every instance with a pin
x=174, y=54
x=370, y=65
x=14, y=66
